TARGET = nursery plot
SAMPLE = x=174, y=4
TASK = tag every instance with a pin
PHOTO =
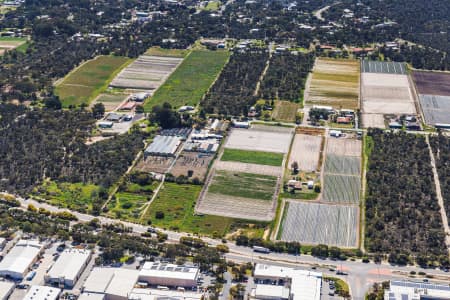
x=259, y=139
x=248, y=168
x=306, y=151
x=146, y=73
x=314, y=223
x=383, y=67
x=348, y=165
x=155, y=164
x=341, y=188
x=432, y=83
x=436, y=109
x=343, y=146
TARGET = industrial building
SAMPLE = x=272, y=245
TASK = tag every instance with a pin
x=6, y=289
x=163, y=146
x=156, y=273
x=91, y=296
x=18, y=261
x=113, y=283
x=409, y=290
x=38, y=292
x=68, y=268
x=163, y=294
x=281, y=283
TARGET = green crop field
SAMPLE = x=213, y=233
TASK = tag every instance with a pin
x=158, y=51
x=253, y=157
x=243, y=185
x=190, y=81
x=88, y=81
x=75, y=196
x=177, y=202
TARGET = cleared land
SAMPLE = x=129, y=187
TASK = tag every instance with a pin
x=432, y=83
x=155, y=164
x=176, y=202
x=190, y=81
x=337, y=164
x=436, y=109
x=111, y=101
x=385, y=94
x=253, y=157
x=383, y=67
x=86, y=82
x=248, y=168
x=341, y=188
x=373, y=120
x=314, y=223
x=285, y=111
x=335, y=82
x=247, y=185
x=306, y=152
x=192, y=161
x=146, y=73
x=127, y=206
x=260, y=139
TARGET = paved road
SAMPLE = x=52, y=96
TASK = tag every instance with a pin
x=360, y=275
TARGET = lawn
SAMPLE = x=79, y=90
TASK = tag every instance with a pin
x=245, y=185
x=158, y=51
x=253, y=157
x=177, y=202
x=75, y=196
x=9, y=43
x=190, y=81
x=212, y=5
x=88, y=81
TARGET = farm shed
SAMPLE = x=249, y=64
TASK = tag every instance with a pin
x=18, y=261
x=68, y=268
x=163, y=145
x=156, y=273
x=38, y=292
x=113, y=117
x=105, y=124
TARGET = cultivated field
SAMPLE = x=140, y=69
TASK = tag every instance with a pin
x=306, y=152
x=146, y=73
x=314, y=223
x=341, y=188
x=192, y=161
x=285, y=111
x=236, y=207
x=253, y=157
x=190, y=81
x=111, y=101
x=260, y=139
x=343, y=146
x=334, y=82
x=247, y=185
x=337, y=164
x=86, y=82
x=432, y=83
x=383, y=67
x=154, y=164
x=158, y=51
x=436, y=109
x=248, y=168
x=385, y=94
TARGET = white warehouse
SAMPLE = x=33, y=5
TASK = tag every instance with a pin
x=68, y=268
x=38, y=292
x=156, y=273
x=18, y=261
x=113, y=283
x=6, y=289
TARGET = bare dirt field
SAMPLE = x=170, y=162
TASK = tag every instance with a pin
x=386, y=94
x=155, y=164
x=146, y=73
x=343, y=146
x=335, y=82
x=306, y=152
x=373, y=120
x=432, y=83
x=193, y=161
x=248, y=168
x=236, y=207
x=262, y=138
x=314, y=223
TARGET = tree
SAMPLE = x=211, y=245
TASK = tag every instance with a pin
x=98, y=110
x=165, y=116
x=294, y=167
x=53, y=103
